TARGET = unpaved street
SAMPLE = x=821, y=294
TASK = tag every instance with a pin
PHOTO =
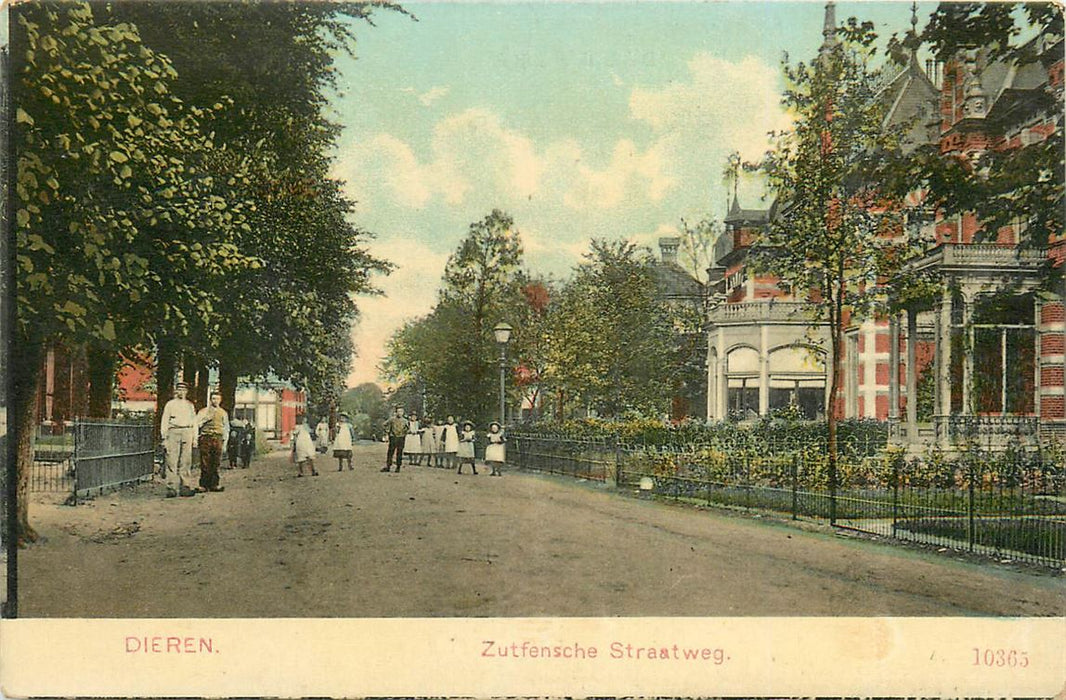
x=428, y=542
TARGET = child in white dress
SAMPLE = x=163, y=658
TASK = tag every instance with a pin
x=466, y=447
x=412, y=444
x=495, y=454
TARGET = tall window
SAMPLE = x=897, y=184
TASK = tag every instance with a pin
x=1004, y=354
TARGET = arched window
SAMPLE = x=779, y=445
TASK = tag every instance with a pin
x=797, y=378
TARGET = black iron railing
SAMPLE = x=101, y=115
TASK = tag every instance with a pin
x=1011, y=505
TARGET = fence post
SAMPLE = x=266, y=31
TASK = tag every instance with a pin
x=970, y=506
x=795, y=483
x=895, y=492
x=618, y=478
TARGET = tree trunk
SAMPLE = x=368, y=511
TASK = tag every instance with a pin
x=188, y=375
x=203, y=385
x=837, y=331
x=25, y=381
x=227, y=386
x=101, y=361
x=166, y=367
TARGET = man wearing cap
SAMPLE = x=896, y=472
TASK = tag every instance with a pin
x=213, y=422
x=178, y=429
x=396, y=429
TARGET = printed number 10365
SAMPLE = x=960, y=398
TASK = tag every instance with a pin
x=1000, y=657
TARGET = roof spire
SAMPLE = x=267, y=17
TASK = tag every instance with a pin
x=829, y=27
x=914, y=18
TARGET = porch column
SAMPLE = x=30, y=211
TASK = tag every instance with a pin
x=764, y=372
x=912, y=376
x=722, y=396
x=893, y=368
x=712, y=376
x=967, y=355
x=943, y=364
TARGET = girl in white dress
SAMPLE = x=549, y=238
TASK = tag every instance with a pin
x=466, y=447
x=429, y=443
x=451, y=442
x=495, y=454
x=412, y=444
x=303, y=448
x=438, y=442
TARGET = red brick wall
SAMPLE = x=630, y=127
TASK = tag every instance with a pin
x=1052, y=313
x=1051, y=375
x=1052, y=344
x=1052, y=407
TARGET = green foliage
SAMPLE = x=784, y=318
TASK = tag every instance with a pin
x=610, y=341
x=451, y=353
x=117, y=210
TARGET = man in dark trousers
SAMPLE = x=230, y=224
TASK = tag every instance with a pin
x=396, y=429
x=213, y=422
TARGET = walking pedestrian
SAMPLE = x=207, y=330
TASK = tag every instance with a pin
x=396, y=430
x=466, y=447
x=178, y=430
x=247, y=444
x=451, y=442
x=322, y=436
x=303, y=447
x=233, y=445
x=412, y=444
x=495, y=453
x=213, y=424
x=342, y=442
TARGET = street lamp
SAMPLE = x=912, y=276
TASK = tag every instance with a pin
x=502, y=332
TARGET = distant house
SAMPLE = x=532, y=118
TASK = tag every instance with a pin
x=682, y=291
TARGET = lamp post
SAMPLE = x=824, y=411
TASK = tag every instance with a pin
x=502, y=332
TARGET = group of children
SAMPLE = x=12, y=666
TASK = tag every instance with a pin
x=303, y=445
x=440, y=444
x=448, y=445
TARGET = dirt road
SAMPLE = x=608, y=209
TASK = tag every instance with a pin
x=427, y=542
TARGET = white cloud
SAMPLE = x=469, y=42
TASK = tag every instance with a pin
x=433, y=94
x=733, y=104
x=630, y=175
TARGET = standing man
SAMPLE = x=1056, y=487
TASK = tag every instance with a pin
x=178, y=429
x=213, y=422
x=396, y=429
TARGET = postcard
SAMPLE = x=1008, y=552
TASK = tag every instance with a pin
x=533, y=349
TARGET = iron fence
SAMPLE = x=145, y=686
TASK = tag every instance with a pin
x=595, y=459
x=53, y=459
x=1010, y=505
x=108, y=454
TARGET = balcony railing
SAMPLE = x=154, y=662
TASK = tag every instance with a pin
x=749, y=311
x=984, y=255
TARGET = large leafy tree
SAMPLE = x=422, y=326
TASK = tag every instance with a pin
x=450, y=353
x=833, y=241
x=611, y=340
x=270, y=65
x=116, y=206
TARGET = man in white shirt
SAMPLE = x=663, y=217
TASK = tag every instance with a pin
x=178, y=430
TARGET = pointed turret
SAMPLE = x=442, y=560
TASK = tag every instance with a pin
x=829, y=27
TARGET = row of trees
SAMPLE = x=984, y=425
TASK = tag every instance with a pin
x=173, y=198
x=604, y=340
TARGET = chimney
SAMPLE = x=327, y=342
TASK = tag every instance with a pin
x=668, y=249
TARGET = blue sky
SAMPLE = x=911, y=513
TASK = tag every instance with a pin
x=580, y=120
